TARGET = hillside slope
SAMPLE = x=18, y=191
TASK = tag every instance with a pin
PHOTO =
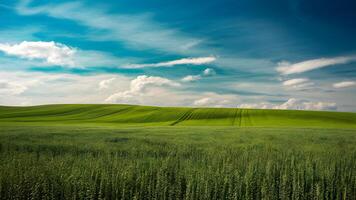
x=169, y=116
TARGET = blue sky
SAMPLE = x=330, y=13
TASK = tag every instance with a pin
x=283, y=54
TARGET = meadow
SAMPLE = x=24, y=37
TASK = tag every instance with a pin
x=133, y=152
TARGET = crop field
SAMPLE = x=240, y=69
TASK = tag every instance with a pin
x=128, y=115
x=137, y=152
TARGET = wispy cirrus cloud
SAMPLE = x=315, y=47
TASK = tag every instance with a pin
x=136, y=31
x=183, y=61
x=19, y=34
x=344, y=84
x=287, y=68
x=295, y=81
x=298, y=83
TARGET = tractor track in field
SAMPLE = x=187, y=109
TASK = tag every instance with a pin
x=240, y=117
x=235, y=115
x=247, y=118
x=111, y=113
x=185, y=116
x=73, y=114
x=237, y=118
x=42, y=113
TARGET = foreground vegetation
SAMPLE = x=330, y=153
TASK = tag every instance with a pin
x=176, y=162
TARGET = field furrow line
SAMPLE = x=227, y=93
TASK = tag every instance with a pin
x=235, y=116
x=185, y=116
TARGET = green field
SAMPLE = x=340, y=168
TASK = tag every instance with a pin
x=125, y=115
x=137, y=152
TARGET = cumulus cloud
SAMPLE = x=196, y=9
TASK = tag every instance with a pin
x=344, y=84
x=296, y=104
x=33, y=88
x=263, y=105
x=11, y=88
x=138, y=87
x=16, y=83
x=206, y=72
x=51, y=52
x=211, y=102
x=293, y=104
x=204, y=102
x=209, y=72
x=191, y=78
x=142, y=82
x=211, y=99
x=183, y=61
x=287, y=68
x=105, y=84
x=41, y=53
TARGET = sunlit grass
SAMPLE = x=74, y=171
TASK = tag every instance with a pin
x=125, y=115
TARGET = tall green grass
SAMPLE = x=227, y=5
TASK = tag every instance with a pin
x=176, y=163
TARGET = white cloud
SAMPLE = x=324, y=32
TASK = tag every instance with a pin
x=296, y=104
x=209, y=72
x=51, y=52
x=206, y=72
x=344, y=84
x=215, y=100
x=183, y=61
x=140, y=83
x=262, y=105
x=210, y=102
x=136, y=31
x=11, y=88
x=138, y=89
x=287, y=68
x=54, y=53
x=204, y=101
x=191, y=78
x=293, y=104
x=295, y=81
x=105, y=84
x=16, y=83
x=33, y=88
x=298, y=83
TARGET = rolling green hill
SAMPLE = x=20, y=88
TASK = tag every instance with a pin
x=169, y=116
